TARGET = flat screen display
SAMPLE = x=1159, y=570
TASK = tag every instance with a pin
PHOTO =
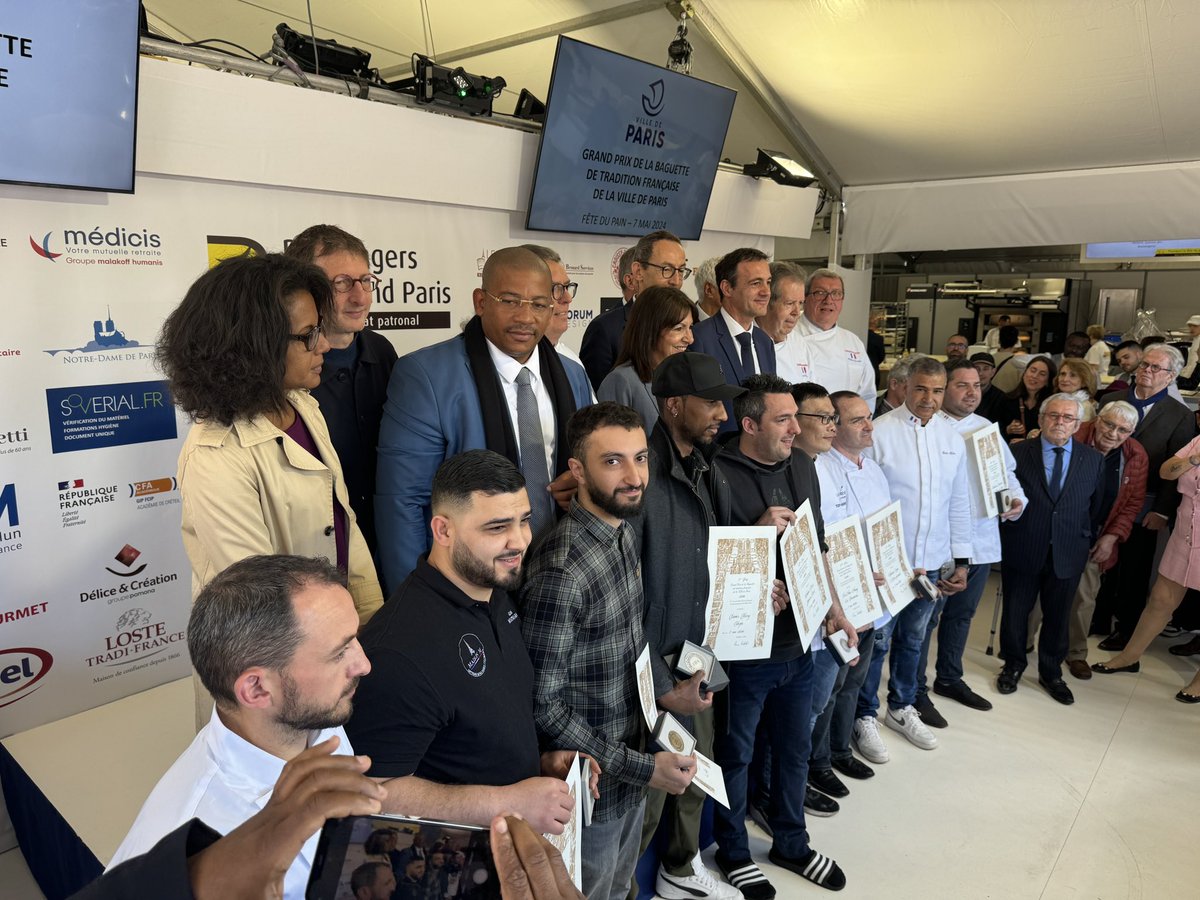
x=1142, y=249
x=627, y=147
x=68, y=92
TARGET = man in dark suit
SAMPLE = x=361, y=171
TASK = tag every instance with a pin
x=658, y=259
x=731, y=336
x=1045, y=551
x=1164, y=426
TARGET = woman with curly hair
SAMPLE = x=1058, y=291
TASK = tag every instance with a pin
x=659, y=326
x=258, y=473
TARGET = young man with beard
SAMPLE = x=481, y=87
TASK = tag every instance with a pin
x=952, y=614
x=583, y=626
x=448, y=713
x=273, y=639
x=768, y=482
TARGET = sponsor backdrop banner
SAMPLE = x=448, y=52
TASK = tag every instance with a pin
x=96, y=586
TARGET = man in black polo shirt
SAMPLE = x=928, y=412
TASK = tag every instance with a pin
x=354, y=377
x=447, y=712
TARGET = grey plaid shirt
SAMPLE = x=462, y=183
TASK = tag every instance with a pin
x=582, y=622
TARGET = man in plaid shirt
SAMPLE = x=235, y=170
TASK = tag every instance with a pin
x=582, y=623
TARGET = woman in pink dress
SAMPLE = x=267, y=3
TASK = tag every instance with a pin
x=1178, y=571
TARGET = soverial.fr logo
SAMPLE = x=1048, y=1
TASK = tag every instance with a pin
x=43, y=249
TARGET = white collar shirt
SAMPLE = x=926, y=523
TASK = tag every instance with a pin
x=985, y=532
x=850, y=488
x=221, y=779
x=508, y=369
x=735, y=329
x=926, y=469
x=836, y=359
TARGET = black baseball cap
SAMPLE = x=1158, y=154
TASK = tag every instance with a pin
x=984, y=357
x=692, y=375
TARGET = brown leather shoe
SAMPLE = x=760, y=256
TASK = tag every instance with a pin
x=1079, y=668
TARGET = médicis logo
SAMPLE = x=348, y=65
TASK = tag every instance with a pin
x=114, y=246
x=21, y=672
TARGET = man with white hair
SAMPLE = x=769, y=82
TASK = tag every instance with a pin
x=708, y=295
x=1164, y=426
x=779, y=322
x=837, y=357
x=1046, y=550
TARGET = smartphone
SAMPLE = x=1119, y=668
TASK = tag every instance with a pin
x=388, y=857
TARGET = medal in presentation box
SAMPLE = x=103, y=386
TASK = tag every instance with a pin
x=693, y=658
x=670, y=735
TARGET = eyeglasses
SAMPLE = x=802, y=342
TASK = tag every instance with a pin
x=825, y=418
x=561, y=289
x=311, y=337
x=344, y=284
x=668, y=271
x=1119, y=429
x=1153, y=369
x=822, y=295
x=1065, y=418
x=539, y=305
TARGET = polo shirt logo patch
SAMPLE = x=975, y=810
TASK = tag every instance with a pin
x=470, y=651
x=512, y=616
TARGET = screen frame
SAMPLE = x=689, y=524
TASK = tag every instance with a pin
x=537, y=165
x=137, y=83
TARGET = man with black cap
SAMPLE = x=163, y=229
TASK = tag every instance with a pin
x=687, y=493
x=992, y=402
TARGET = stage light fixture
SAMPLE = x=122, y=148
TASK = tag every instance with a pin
x=324, y=57
x=780, y=168
x=530, y=107
x=431, y=83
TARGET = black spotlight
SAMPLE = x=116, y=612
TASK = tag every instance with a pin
x=780, y=168
x=324, y=57
x=431, y=83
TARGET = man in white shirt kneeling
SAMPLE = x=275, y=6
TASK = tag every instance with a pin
x=274, y=640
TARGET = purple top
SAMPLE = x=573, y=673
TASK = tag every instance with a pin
x=299, y=433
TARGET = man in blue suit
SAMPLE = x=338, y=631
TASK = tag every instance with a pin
x=499, y=386
x=731, y=336
x=1045, y=551
x=656, y=259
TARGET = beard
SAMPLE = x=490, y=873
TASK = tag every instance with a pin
x=473, y=569
x=615, y=503
x=301, y=716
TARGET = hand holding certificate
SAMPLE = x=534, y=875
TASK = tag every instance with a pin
x=889, y=558
x=804, y=569
x=988, y=474
x=741, y=568
x=850, y=571
x=569, y=842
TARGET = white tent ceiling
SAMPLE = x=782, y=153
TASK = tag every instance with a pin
x=887, y=90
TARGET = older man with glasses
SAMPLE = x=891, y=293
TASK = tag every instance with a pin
x=1164, y=425
x=836, y=356
x=1046, y=550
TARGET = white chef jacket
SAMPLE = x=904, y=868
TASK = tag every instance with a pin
x=791, y=360
x=848, y=489
x=926, y=469
x=985, y=532
x=223, y=780
x=835, y=359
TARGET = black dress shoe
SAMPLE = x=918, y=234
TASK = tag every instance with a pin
x=929, y=713
x=852, y=768
x=827, y=783
x=1114, y=643
x=1191, y=648
x=959, y=691
x=1185, y=697
x=817, y=804
x=1058, y=690
x=1006, y=681
x=1105, y=669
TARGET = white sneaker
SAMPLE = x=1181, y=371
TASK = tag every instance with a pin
x=700, y=885
x=908, y=722
x=866, y=740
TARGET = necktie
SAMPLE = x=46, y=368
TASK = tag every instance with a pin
x=747, y=354
x=1056, y=473
x=533, y=452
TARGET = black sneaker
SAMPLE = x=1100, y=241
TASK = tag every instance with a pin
x=748, y=878
x=852, y=768
x=818, y=804
x=929, y=714
x=827, y=783
x=959, y=691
